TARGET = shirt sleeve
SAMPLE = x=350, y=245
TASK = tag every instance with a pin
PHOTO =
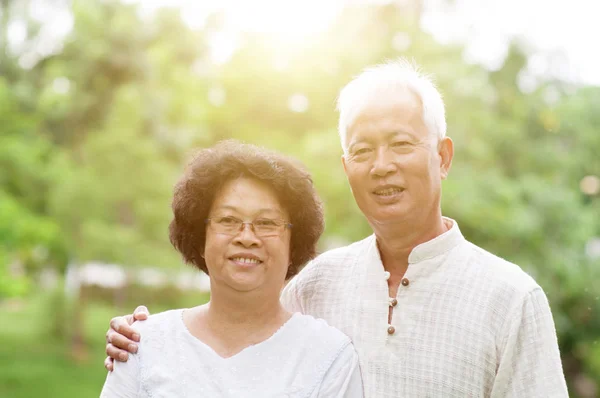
x=343, y=379
x=290, y=299
x=124, y=380
x=530, y=364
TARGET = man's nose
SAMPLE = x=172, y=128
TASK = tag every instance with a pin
x=384, y=162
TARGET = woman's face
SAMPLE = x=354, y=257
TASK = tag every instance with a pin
x=247, y=258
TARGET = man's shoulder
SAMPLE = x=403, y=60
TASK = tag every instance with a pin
x=341, y=254
x=499, y=271
x=335, y=260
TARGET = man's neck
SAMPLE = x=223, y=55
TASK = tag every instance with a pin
x=396, y=241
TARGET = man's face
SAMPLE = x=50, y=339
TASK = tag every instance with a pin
x=394, y=164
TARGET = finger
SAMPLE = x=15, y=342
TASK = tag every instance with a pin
x=116, y=353
x=121, y=342
x=121, y=326
x=108, y=364
x=141, y=313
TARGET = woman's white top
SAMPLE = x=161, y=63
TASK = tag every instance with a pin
x=304, y=358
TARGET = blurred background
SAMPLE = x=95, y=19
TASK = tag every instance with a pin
x=101, y=103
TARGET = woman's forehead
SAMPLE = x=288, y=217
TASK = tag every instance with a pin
x=248, y=195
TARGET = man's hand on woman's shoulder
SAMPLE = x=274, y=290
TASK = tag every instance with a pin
x=121, y=338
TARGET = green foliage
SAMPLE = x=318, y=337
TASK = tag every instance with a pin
x=12, y=286
x=93, y=137
x=35, y=363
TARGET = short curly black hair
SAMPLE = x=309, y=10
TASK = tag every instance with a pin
x=211, y=168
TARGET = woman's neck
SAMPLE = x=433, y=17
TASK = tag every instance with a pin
x=252, y=308
x=228, y=325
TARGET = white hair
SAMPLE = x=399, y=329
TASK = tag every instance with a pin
x=379, y=84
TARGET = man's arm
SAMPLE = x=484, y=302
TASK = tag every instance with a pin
x=530, y=364
x=299, y=289
x=289, y=296
x=121, y=338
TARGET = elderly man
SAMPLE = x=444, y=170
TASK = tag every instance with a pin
x=430, y=314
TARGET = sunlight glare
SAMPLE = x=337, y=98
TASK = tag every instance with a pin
x=287, y=19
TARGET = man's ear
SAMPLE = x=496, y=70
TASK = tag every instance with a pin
x=446, y=152
x=344, y=163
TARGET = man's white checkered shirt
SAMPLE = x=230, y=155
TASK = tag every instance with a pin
x=467, y=323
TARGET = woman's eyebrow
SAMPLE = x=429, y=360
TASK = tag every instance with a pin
x=259, y=211
x=270, y=210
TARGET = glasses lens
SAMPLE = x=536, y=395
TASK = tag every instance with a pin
x=261, y=226
x=267, y=226
x=226, y=224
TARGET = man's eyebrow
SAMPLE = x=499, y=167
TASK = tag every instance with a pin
x=389, y=135
x=397, y=133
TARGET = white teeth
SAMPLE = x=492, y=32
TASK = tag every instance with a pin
x=246, y=260
x=388, y=191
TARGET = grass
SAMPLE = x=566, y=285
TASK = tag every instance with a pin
x=35, y=364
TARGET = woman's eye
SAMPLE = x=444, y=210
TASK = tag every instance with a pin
x=228, y=220
x=265, y=222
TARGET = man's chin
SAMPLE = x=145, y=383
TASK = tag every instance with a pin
x=389, y=216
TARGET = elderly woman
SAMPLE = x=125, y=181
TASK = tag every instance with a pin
x=249, y=218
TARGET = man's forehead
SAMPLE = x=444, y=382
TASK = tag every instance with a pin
x=383, y=108
x=388, y=121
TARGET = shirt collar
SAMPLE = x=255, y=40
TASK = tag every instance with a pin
x=439, y=245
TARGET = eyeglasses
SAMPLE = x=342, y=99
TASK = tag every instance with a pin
x=262, y=227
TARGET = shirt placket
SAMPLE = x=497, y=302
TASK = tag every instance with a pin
x=393, y=301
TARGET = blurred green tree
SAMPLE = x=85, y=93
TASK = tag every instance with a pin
x=94, y=135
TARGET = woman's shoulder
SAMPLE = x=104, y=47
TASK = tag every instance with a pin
x=313, y=350
x=320, y=331
x=161, y=322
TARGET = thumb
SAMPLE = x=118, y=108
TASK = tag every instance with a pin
x=141, y=313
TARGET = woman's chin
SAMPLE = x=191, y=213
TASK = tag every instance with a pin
x=245, y=283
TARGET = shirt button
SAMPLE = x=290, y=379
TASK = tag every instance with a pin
x=391, y=329
x=405, y=282
x=393, y=302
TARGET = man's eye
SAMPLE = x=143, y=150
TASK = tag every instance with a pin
x=228, y=220
x=362, y=151
x=400, y=143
